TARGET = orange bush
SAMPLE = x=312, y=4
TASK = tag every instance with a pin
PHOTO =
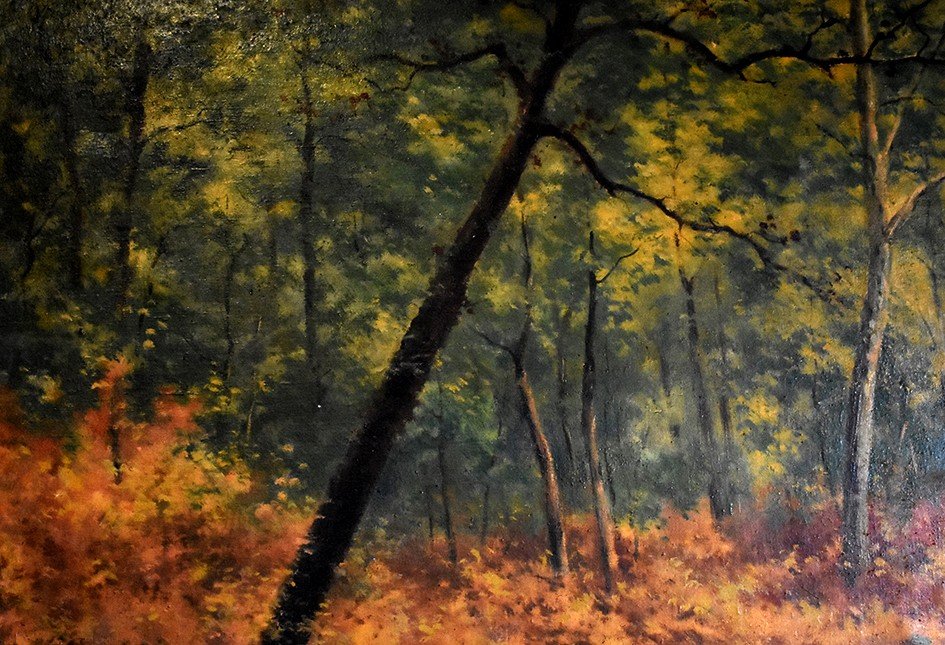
x=175, y=553
x=185, y=549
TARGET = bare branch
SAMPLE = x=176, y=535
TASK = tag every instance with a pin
x=616, y=264
x=888, y=34
x=495, y=343
x=890, y=139
x=827, y=132
x=664, y=29
x=498, y=50
x=904, y=210
x=180, y=127
x=613, y=187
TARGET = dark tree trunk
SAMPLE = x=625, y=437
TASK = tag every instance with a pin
x=311, y=289
x=562, y=395
x=665, y=378
x=228, y=280
x=820, y=429
x=602, y=511
x=428, y=498
x=77, y=203
x=487, y=476
x=729, y=451
x=446, y=490
x=135, y=143
x=704, y=417
x=307, y=585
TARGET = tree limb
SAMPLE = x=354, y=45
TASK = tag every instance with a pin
x=904, y=210
x=603, y=279
x=495, y=343
x=498, y=50
x=613, y=187
x=664, y=29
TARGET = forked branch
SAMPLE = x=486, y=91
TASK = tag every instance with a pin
x=907, y=207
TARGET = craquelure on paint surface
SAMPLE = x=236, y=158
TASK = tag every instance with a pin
x=550, y=321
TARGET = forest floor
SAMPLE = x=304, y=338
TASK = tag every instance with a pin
x=189, y=548
x=683, y=581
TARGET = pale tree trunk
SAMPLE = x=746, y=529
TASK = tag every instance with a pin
x=553, y=507
x=862, y=391
x=602, y=511
x=554, y=516
x=330, y=535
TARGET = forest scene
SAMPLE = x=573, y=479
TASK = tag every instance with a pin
x=399, y=321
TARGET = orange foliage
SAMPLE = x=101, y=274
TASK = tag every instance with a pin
x=683, y=581
x=174, y=554
x=184, y=550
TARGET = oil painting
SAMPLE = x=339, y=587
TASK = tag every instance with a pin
x=472, y=321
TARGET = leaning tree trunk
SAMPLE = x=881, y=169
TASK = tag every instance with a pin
x=337, y=518
x=862, y=390
x=554, y=515
x=720, y=507
x=606, y=541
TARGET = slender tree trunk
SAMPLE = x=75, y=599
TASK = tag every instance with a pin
x=487, y=476
x=123, y=224
x=674, y=428
x=705, y=419
x=562, y=395
x=124, y=221
x=554, y=515
x=820, y=430
x=939, y=310
x=350, y=488
x=428, y=498
x=228, y=280
x=611, y=475
x=729, y=450
x=873, y=317
x=77, y=203
x=446, y=491
x=310, y=286
x=605, y=522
